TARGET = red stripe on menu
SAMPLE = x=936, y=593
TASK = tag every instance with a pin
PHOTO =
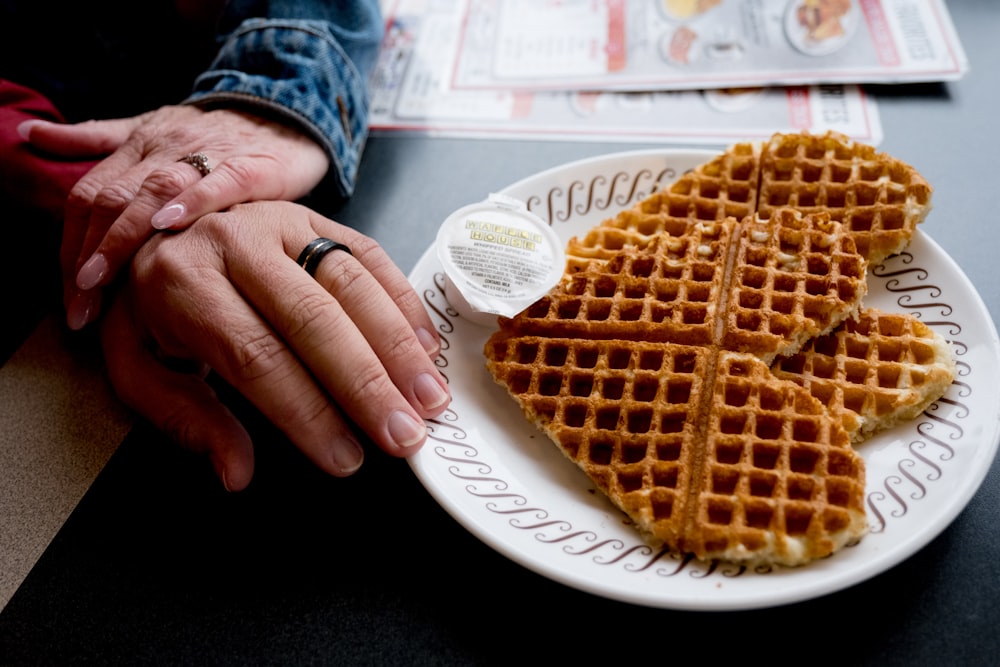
x=878, y=26
x=616, y=35
x=799, y=112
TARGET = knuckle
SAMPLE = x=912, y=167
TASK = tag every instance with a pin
x=241, y=171
x=304, y=310
x=159, y=261
x=361, y=385
x=367, y=250
x=308, y=410
x=259, y=357
x=399, y=346
x=114, y=197
x=342, y=272
x=178, y=426
x=222, y=227
x=164, y=182
x=81, y=194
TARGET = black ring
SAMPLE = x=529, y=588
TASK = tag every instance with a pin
x=313, y=254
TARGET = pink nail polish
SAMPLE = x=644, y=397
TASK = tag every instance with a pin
x=24, y=129
x=165, y=217
x=78, y=313
x=92, y=272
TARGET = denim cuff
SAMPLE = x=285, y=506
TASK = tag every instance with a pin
x=298, y=72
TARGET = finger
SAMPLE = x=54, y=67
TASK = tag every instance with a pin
x=245, y=351
x=240, y=179
x=346, y=363
x=399, y=289
x=157, y=205
x=92, y=205
x=116, y=244
x=368, y=359
x=390, y=278
x=383, y=325
x=181, y=405
x=89, y=139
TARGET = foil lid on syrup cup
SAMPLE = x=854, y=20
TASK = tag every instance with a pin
x=498, y=259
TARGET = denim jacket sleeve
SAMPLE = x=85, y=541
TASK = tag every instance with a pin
x=306, y=62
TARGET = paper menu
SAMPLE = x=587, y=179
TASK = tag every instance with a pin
x=411, y=92
x=590, y=41
x=693, y=44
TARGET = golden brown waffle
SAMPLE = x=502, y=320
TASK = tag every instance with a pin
x=624, y=365
x=758, y=286
x=780, y=482
x=724, y=187
x=879, y=199
x=873, y=372
x=794, y=277
x=670, y=291
x=648, y=364
x=704, y=449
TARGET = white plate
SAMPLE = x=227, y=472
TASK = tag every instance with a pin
x=507, y=483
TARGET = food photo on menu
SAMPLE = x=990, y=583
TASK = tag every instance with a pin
x=652, y=72
x=673, y=44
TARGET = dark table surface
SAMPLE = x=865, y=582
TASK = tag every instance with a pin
x=157, y=565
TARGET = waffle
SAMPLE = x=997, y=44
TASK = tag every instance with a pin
x=646, y=370
x=758, y=286
x=703, y=449
x=723, y=187
x=705, y=359
x=873, y=372
x=879, y=199
x=794, y=277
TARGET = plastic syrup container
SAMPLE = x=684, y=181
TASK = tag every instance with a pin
x=498, y=259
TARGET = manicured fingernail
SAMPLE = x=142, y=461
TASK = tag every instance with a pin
x=92, y=272
x=167, y=216
x=80, y=311
x=348, y=455
x=24, y=129
x=405, y=431
x=429, y=391
x=429, y=341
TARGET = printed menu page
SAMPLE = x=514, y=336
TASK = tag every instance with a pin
x=411, y=92
x=691, y=44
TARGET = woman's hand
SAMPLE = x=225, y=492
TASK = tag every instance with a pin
x=352, y=348
x=141, y=186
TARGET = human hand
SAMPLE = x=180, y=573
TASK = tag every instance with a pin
x=141, y=186
x=352, y=347
x=29, y=178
